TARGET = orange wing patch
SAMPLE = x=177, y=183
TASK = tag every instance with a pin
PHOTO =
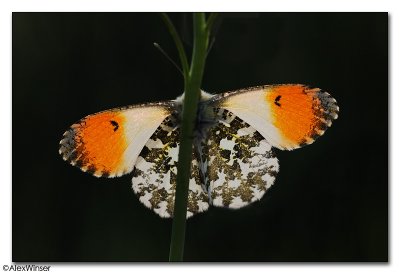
x=97, y=143
x=102, y=142
x=108, y=143
x=300, y=114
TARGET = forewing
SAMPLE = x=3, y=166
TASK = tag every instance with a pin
x=108, y=143
x=154, y=176
x=238, y=162
x=288, y=116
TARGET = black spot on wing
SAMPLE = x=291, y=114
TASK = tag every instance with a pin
x=115, y=124
x=277, y=100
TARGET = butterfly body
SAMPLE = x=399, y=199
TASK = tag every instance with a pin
x=233, y=163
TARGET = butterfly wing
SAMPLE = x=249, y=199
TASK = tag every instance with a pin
x=238, y=163
x=154, y=176
x=288, y=116
x=108, y=143
x=236, y=166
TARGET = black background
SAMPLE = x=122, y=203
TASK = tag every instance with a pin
x=330, y=200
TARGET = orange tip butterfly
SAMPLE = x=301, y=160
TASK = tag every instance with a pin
x=233, y=163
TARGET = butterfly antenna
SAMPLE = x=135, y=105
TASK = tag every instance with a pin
x=211, y=45
x=167, y=56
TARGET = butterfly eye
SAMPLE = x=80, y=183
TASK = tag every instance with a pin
x=115, y=125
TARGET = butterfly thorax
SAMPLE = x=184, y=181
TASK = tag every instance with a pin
x=205, y=118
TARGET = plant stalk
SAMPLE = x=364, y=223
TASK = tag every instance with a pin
x=189, y=113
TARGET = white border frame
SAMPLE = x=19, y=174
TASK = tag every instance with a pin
x=9, y=6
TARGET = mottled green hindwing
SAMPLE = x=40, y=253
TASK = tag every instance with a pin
x=237, y=162
x=154, y=176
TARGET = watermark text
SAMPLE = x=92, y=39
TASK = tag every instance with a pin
x=27, y=267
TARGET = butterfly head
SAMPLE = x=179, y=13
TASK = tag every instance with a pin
x=204, y=96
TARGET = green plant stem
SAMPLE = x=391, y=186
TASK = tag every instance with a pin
x=190, y=102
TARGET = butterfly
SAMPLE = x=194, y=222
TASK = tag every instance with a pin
x=233, y=162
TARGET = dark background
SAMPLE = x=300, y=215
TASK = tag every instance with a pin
x=330, y=200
